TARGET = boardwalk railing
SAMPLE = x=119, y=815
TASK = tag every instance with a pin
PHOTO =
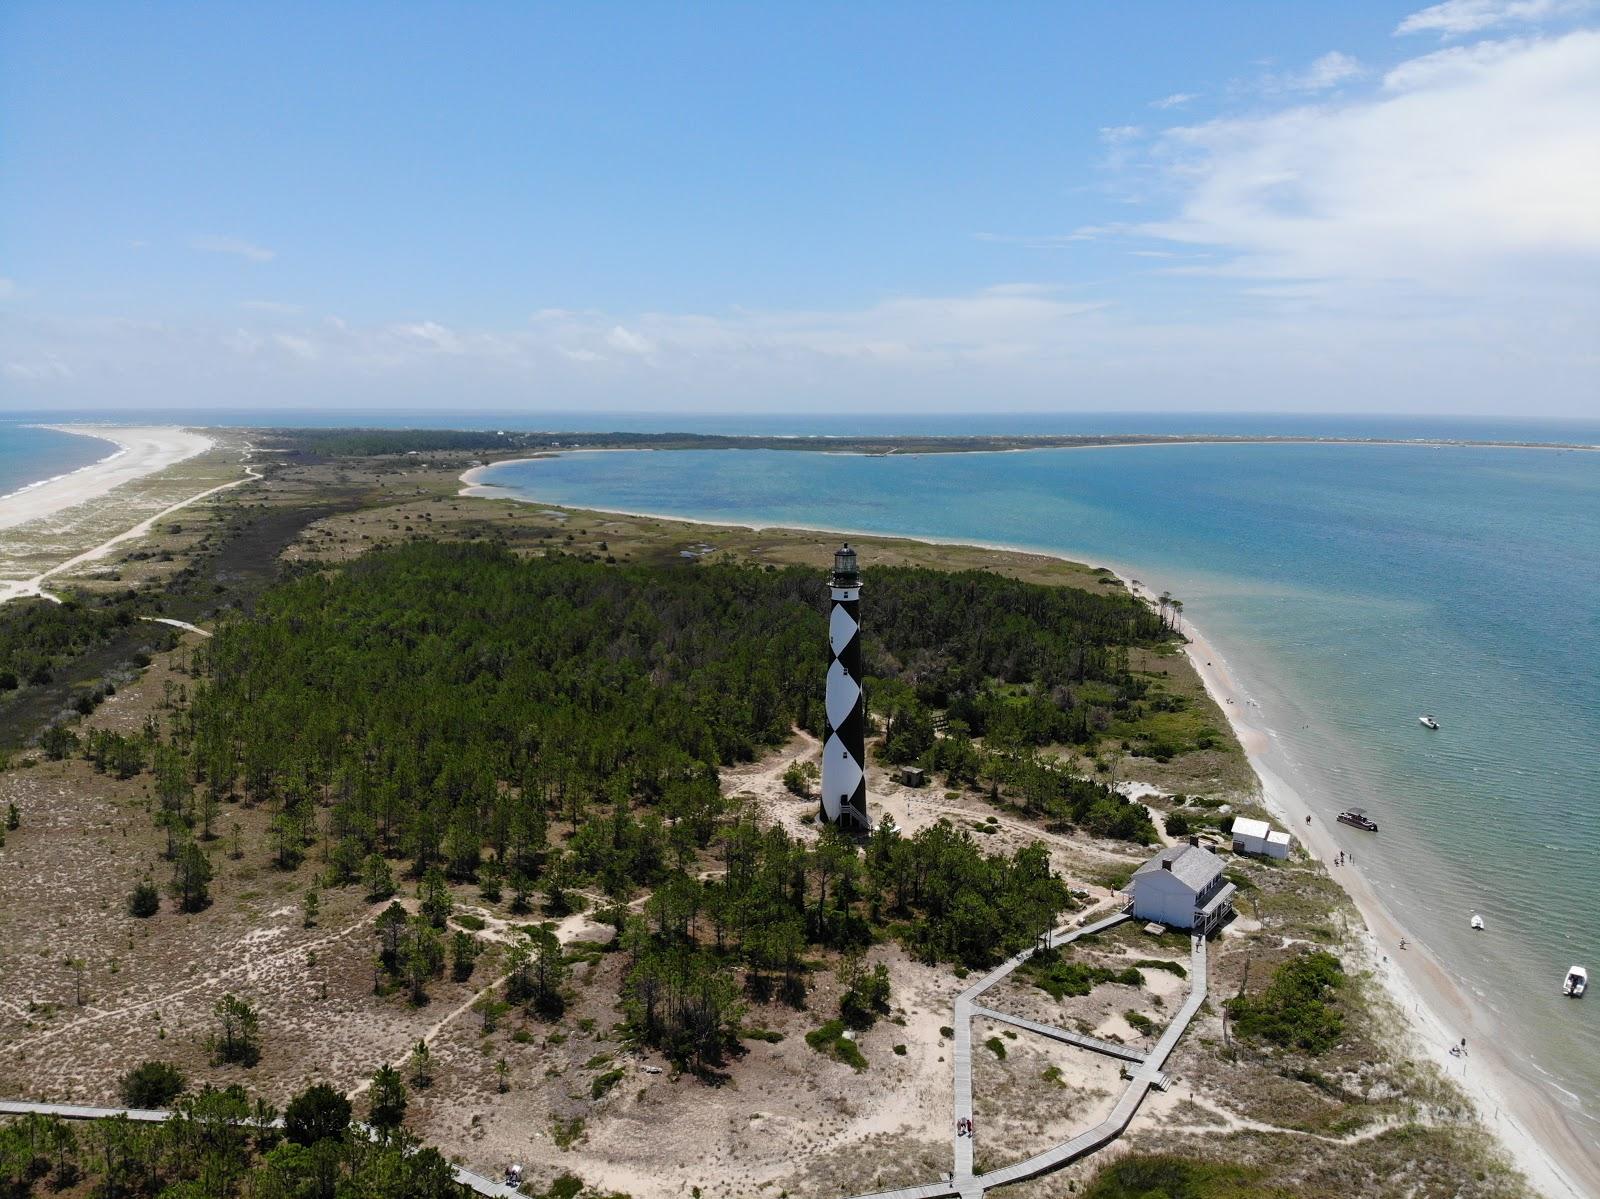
x=1144, y=1072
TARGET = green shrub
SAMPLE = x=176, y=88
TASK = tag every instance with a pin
x=144, y=900
x=152, y=1085
x=1298, y=1009
x=830, y=1039
x=1159, y=964
x=1060, y=978
x=1163, y=1176
x=567, y=1186
x=997, y=1047
x=565, y=1133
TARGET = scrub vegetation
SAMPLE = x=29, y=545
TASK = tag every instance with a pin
x=505, y=789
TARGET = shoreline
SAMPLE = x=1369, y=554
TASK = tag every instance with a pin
x=141, y=450
x=1434, y=1007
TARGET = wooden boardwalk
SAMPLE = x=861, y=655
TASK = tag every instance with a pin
x=1145, y=1073
x=1094, y=1044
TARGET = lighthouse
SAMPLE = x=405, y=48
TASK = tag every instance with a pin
x=844, y=757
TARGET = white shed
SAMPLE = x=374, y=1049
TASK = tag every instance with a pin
x=1182, y=887
x=1259, y=837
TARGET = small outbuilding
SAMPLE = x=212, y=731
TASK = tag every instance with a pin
x=1182, y=887
x=1259, y=837
x=913, y=776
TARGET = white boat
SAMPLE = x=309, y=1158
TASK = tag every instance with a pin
x=1577, y=982
x=1477, y=922
x=1428, y=722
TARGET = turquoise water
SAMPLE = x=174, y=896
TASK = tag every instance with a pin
x=1350, y=588
x=29, y=455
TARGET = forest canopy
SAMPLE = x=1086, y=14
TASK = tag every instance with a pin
x=447, y=698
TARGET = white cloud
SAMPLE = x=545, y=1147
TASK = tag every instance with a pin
x=1332, y=69
x=1454, y=18
x=1176, y=100
x=1329, y=71
x=48, y=369
x=1470, y=169
x=628, y=342
x=210, y=244
x=1116, y=135
x=1048, y=241
x=1013, y=346
x=303, y=348
x=275, y=307
x=430, y=335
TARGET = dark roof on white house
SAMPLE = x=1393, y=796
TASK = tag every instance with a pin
x=1191, y=865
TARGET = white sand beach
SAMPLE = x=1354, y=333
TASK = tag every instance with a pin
x=141, y=450
x=1557, y=1159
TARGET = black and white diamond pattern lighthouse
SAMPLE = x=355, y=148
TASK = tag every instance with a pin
x=844, y=757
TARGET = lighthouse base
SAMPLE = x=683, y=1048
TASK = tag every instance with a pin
x=851, y=819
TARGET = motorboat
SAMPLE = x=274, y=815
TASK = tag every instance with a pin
x=1428, y=722
x=1358, y=818
x=1576, y=982
x=1477, y=922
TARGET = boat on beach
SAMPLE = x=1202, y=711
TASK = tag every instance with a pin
x=1576, y=982
x=1476, y=922
x=1358, y=818
x=1428, y=722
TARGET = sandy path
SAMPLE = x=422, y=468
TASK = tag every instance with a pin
x=1558, y=1160
x=141, y=450
x=35, y=585
x=177, y=624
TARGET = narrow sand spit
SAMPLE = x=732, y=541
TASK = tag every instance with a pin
x=141, y=450
x=179, y=444
x=1557, y=1159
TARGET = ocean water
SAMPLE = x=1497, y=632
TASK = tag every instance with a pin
x=1350, y=588
x=29, y=455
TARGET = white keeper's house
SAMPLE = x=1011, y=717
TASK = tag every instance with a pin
x=1182, y=887
x=1259, y=837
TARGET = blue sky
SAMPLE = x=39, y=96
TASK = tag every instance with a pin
x=1365, y=206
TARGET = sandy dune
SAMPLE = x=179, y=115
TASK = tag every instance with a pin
x=142, y=450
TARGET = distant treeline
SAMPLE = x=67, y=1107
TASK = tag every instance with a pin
x=361, y=443
x=373, y=442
